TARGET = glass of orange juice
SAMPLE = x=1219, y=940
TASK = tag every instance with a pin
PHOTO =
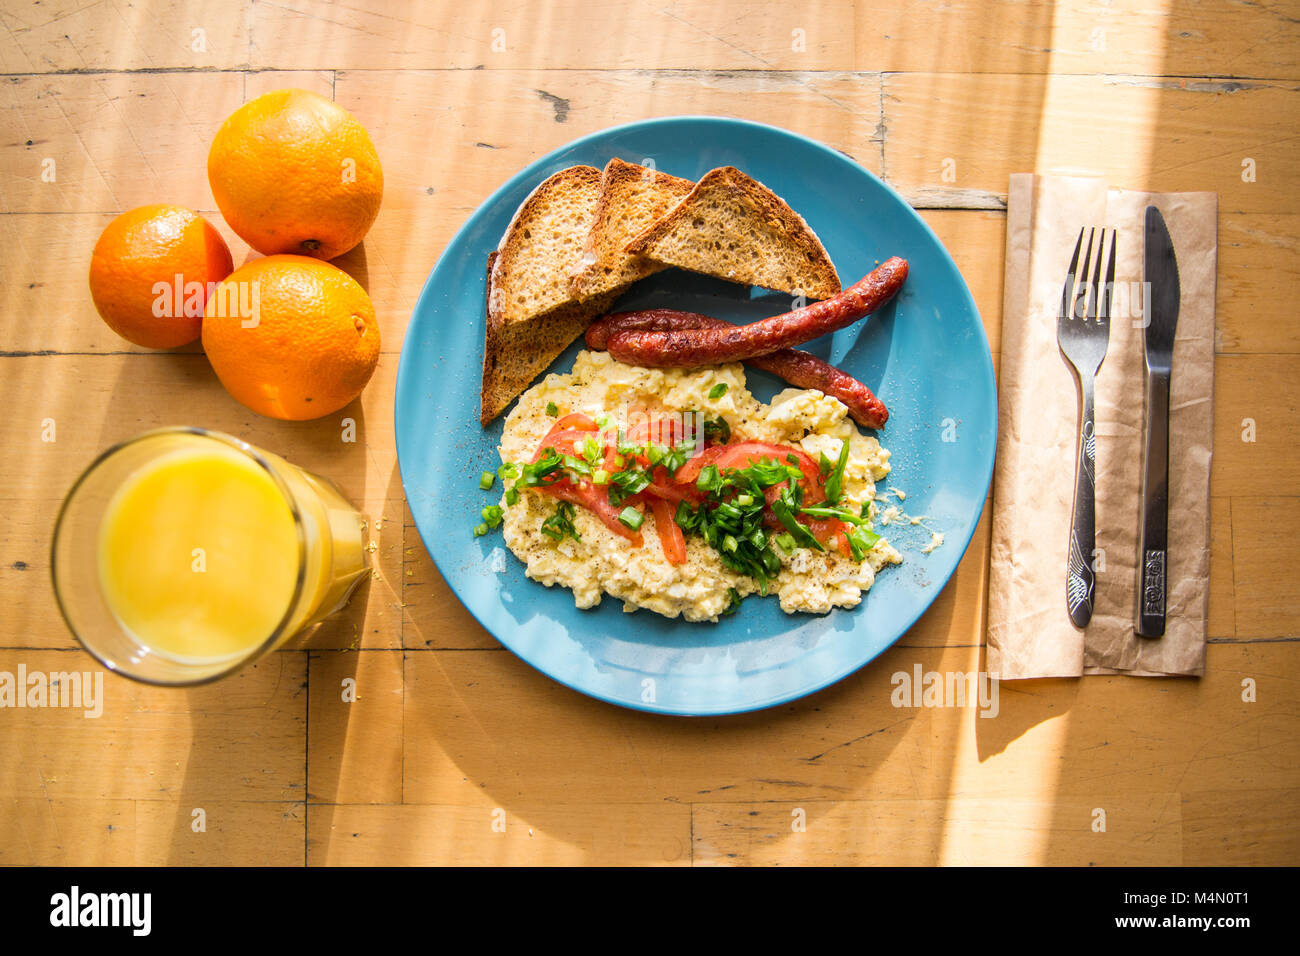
x=183, y=554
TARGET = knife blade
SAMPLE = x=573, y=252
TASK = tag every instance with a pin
x=1160, y=277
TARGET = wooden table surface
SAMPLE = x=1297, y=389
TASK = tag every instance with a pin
x=456, y=751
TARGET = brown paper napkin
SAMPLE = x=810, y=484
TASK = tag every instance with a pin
x=1030, y=634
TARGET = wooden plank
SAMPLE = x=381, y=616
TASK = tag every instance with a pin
x=1265, y=552
x=1176, y=38
x=241, y=739
x=945, y=129
x=1259, y=266
x=423, y=141
x=119, y=831
x=39, y=831
x=172, y=34
x=1221, y=615
x=1250, y=828
x=108, y=142
x=687, y=35
x=433, y=618
x=514, y=833
x=111, y=141
x=1181, y=37
x=95, y=401
x=1170, y=38
x=233, y=834
x=355, y=727
x=977, y=241
x=491, y=725
x=1143, y=829
x=1256, y=426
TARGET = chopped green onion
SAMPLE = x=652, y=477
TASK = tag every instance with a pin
x=862, y=540
x=625, y=484
x=480, y=530
x=600, y=477
x=486, y=479
x=802, y=536
x=820, y=511
x=492, y=515
x=631, y=518
x=512, y=495
x=552, y=410
x=835, y=483
x=824, y=464
x=577, y=465
x=717, y=391
x=509, y=471
x=709, y=479
x=591, y=450
x=560, y=524
x=786, y=542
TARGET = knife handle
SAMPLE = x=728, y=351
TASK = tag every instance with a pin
x=1080, y=582
x=1153, y=562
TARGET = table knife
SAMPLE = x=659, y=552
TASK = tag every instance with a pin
x=1160, y=274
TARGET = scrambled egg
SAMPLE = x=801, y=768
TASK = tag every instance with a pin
x=604, y=563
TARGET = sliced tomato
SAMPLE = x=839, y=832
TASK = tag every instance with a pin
x=830, y=531
x=595, y=498
x=575, y=421
x=661, y=429
x=670, y=534
x=690, y=471
x=661, y=486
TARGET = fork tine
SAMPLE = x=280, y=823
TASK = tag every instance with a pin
x=1069, y=278
x=1109, y=288
x=1080, y=296
x=1094, y=288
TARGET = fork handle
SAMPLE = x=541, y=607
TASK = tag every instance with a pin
x=1080, y=582
x=1153, y=573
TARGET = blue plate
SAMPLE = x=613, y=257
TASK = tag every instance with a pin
x=925, y=355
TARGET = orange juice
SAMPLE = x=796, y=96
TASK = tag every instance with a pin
x=183, y=553
x=198, y=554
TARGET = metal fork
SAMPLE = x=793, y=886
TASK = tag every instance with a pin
x=1083, y=333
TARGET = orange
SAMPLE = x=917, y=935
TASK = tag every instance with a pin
x=150, y=274
x=291, y=337
x=294, y=172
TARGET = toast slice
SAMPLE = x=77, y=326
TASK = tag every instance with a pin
x=632, y=198
x=531, y=316
x=542, y=245
x=515, y=354
x=733, y=227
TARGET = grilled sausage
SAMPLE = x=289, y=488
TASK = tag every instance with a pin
x=688, y=348
x=798, y=368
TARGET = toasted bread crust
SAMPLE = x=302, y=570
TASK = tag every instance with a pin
x=576, y=186
x=815, y=276
x=632, y=198
x=515, y=354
